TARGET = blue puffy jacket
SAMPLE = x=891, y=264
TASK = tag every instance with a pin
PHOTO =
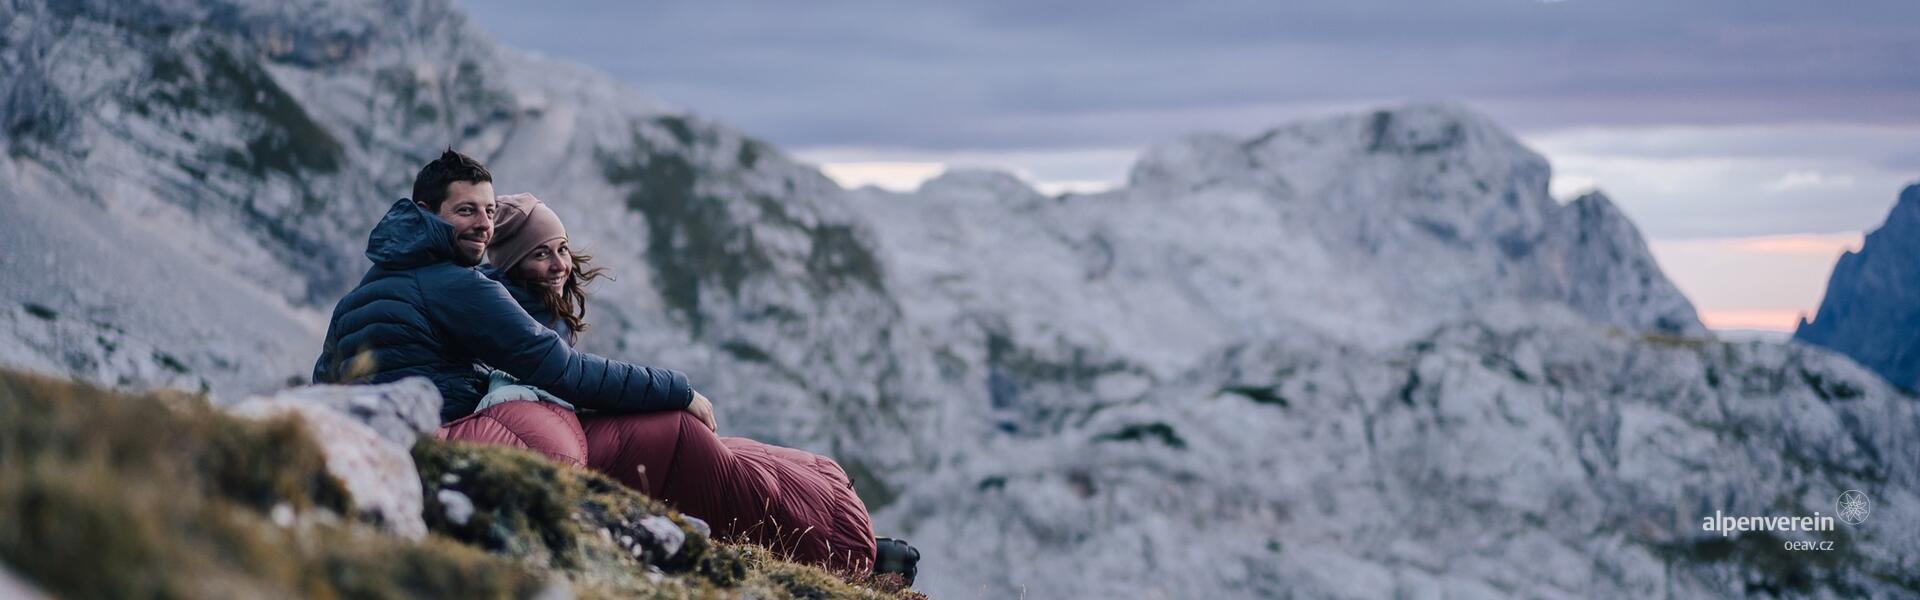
x=418, y=313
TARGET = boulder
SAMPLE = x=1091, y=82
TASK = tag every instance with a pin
x=401, y=411
x=365, y=432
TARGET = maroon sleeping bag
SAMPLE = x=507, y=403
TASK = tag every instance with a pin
x=546, y=428
x=799, y=504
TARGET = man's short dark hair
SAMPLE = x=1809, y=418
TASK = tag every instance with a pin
x=430, y=186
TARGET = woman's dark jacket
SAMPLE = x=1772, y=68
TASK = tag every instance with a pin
x=531, y=302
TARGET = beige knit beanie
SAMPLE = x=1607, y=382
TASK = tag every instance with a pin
x=520, y=224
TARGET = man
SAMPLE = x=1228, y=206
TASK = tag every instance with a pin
x=423, y=309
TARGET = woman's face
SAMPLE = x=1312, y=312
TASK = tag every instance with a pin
x=546, y=267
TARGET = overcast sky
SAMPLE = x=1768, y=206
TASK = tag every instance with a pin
x=1751, y=140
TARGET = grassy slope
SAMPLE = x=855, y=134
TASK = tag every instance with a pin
x=158, y=495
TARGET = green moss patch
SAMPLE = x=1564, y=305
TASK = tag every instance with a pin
x=698, y=246
x=109, y=495
x=692, y=243
x=769, y=576
x=1259, y=394
x=41, y=312
x=590, y=528
x=288, y=140
x=1162, y=432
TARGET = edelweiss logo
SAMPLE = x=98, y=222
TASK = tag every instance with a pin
x=1854, y=507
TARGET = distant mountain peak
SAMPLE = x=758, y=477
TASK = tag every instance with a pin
x=980, y=184
x=1435, y=137
x=1434, y=202
x=1906, y=211
x=1872, y=304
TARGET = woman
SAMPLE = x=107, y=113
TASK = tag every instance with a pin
x=789, y=500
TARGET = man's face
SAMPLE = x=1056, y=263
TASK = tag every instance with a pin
x=469, y=208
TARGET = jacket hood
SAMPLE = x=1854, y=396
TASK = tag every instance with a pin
x=408, y=237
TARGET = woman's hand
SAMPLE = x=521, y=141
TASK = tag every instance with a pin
x=702, y=409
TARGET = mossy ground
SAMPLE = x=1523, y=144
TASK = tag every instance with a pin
x=580, y=523
x=105, y=495
x=159, y=495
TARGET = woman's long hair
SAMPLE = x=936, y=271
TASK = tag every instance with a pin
x=569, y=304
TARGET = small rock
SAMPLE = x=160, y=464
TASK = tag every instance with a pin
x=15, y=587
x=699, y=525
x=557, y=589
x=282, y=514
x=459, y=506
x=665, y=533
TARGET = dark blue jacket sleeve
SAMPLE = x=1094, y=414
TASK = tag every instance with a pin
x=323, y=366
x=479, y=315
